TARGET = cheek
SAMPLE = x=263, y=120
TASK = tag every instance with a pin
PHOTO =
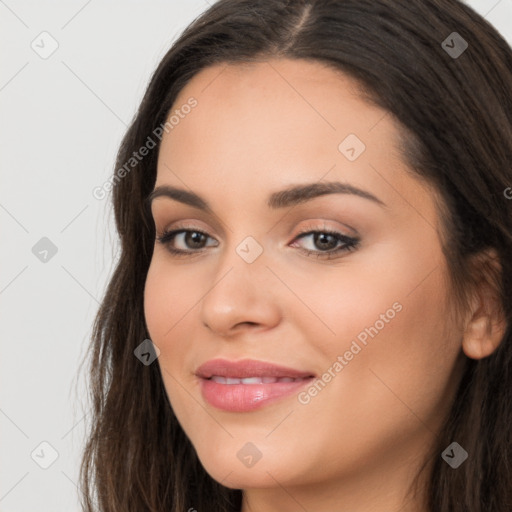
x=386, y=288
x=168, y=304
x=393, y=331
x=389, y=304
x=396, y=377
x=165, y=299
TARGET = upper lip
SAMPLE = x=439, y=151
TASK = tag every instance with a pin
x=246, y=368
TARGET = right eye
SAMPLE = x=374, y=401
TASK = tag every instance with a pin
x=192, y=241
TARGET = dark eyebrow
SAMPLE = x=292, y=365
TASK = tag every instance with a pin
x=302, y=193
x=179, y=194
x=281, y=199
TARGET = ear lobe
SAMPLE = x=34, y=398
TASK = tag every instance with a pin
x=478, y=341
x=487, y=323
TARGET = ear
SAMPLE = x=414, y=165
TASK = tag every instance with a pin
x=486, y=323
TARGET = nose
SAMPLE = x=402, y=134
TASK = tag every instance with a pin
x=241, y=295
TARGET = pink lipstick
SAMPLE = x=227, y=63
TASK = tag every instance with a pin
x=246, y=385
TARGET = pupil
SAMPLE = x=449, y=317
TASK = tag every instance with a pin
x=322, y=237
x=194, y=238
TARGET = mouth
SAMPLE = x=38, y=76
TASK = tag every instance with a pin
x=253, y=380
x=247, y=385
x=248, y=369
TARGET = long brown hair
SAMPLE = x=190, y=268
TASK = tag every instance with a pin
x=455, y=110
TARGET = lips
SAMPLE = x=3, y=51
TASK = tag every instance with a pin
x=246, y=385
x=248, y=368
x=252, y=380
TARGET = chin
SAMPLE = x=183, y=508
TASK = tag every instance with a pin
x=231, y=472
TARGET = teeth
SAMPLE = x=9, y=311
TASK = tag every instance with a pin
x=252, y=380
x=220, y=380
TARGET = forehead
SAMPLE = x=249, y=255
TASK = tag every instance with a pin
x=274, y=123
x=299, y=100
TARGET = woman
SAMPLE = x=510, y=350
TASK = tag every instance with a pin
x=312, y=305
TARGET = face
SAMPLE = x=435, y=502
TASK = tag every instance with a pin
x=332, y=302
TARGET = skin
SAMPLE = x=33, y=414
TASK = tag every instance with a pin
x=356, y=446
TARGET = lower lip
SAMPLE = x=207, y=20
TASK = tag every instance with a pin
x=247, y=397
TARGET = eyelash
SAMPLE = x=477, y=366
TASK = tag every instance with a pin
x=350, y=243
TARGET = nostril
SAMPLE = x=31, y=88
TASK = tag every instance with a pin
x=246, y=323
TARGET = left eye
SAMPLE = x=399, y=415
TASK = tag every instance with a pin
x=325, y=243
x=328, y=243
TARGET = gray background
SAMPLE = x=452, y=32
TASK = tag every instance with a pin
x=63, y=117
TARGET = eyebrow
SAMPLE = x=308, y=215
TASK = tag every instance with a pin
x=281, y=199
